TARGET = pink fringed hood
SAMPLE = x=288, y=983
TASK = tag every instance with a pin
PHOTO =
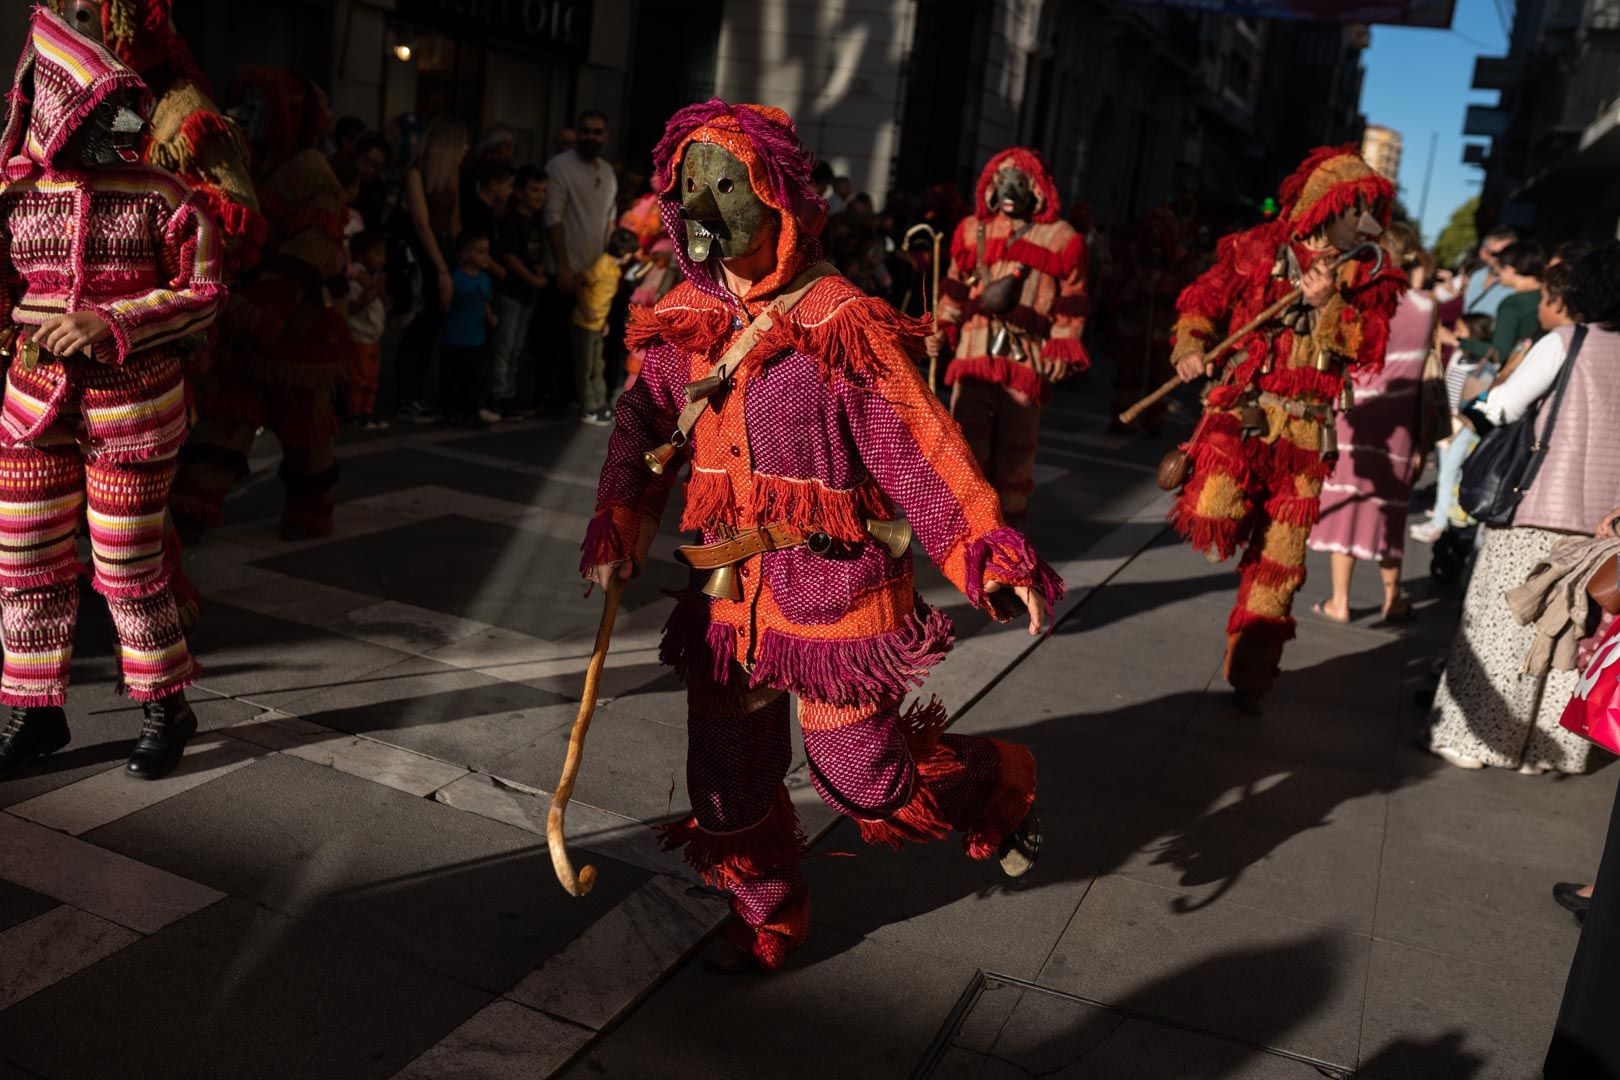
x=61, y=78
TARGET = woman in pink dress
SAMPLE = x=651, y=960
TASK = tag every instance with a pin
x=1364, y=502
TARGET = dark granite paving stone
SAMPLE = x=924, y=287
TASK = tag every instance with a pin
x=556, y=445
x=237, y=991
x=245, y=654
x=104, y=729
x=474, y=569
x=1325, y=874
x=1431, y=1017
x=458, y=893
x=934, y=899
x=635, y=768
x=1237, y=972
x=833, y=1012
x=1588, y=797
x=445, y=712
x=18, y=905
x=1300, y=791
x=1141, y=1050
x=663, y=701
x=1302, y=730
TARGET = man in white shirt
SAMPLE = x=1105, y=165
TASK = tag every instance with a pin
x=583, y=204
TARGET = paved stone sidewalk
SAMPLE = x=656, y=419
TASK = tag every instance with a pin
x=347, y=876
x=1296, y=896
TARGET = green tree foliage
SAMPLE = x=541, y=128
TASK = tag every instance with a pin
x=1459, y=236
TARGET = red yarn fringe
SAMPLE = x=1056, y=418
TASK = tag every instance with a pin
x=604, y=543
x=1060, y=263
x=1260, y=627
x=919, y=820
x=1009, y=804
x=806, y=504
x=1219, y=535
x=1274, y=574
x=1294, y=510
x=686, y=319
x=1069, y=350
x=770, y=943
x=726, y=860
x=842, y=343
x=708, y=501
x=1000, y=371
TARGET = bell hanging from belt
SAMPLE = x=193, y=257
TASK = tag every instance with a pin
x=658, y=460
x=1347, y=396
x=1322, y=361
x=1018, y=354
x=1330, y=438
x=894, y=535
x=999, y=341
x=723, y=584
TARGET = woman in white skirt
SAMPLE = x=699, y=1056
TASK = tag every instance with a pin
x=1485, y=712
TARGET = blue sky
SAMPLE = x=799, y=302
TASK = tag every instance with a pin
x=1417, y=83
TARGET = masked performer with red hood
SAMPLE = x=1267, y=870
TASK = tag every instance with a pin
x=286, y=341
x=107, y=264
x=797, y=403
x=1262, y=450
x=1012, y=309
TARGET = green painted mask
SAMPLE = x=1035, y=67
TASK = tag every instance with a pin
x=723, y=213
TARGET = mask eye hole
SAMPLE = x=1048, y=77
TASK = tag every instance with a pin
x=691, y=185
x=725, y=185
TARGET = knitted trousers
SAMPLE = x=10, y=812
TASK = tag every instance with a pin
x=1001, y=432
x=1263, y=495
x=895, y=774
x=44, y=491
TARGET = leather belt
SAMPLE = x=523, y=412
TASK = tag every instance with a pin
x=1295, y=408
x=748, y=543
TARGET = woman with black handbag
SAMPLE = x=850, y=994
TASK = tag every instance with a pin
x=1548, y=467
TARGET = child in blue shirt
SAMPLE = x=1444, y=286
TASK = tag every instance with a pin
x=463, y=344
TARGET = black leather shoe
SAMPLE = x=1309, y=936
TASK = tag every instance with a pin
x=169, y=725
x=1022, y=846
x=1567, y=894
x=30, y=734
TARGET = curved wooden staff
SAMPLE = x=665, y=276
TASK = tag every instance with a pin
x=933, y=301
x=1377, y=252
x=578, y=884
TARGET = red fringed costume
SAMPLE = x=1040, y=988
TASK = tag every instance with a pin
x=996, y=395
x=1260, y=491
x=288, y=343
x=825, y=427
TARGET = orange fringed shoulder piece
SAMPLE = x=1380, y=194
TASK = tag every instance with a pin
x=686, y=318
x=840, y=325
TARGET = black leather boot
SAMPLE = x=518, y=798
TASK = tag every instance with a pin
x=169, y=725
x=29, y=734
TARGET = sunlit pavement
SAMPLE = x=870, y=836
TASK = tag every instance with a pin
x=348, y=876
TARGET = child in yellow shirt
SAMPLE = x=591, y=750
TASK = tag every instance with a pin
x=597, y=287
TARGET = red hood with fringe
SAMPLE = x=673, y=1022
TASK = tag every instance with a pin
x=1326, y=184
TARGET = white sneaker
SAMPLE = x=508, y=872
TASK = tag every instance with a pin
x=1427, y=532
x=1462, y=761
x=1531, y=769
x=489, y=416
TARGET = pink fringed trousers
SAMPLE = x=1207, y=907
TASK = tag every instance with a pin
x=892, y=772
x=45, y=489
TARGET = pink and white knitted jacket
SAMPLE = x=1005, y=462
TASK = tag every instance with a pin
x=130, y=243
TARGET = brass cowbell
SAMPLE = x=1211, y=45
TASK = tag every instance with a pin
x=658, y=460
x=894, y=535
x=723, y=584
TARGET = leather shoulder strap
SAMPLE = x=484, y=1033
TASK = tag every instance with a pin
x=699, y=393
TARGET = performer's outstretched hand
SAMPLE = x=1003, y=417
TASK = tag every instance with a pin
x=604, y=573
x=64, y=335
x=935, y=344
x=1033, y=600
x=1193, y=367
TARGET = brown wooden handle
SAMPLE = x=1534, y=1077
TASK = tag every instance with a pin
x=579, y=883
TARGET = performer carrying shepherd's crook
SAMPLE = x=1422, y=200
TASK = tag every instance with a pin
x=1012, y=312
x=808, y=429
x=1262, y=449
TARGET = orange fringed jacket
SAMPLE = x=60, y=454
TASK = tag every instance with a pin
x=826, y=425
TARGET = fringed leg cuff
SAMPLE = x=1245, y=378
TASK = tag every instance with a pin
x=728, y=859
x=1009, y=801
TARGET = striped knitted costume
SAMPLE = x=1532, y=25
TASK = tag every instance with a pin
x=1262, y=492
x=286, y=342
x=995, y=398
x=825, y=425
x=192, y=139
x=134, y=246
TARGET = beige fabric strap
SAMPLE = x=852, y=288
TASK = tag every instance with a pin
x=722, y=371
